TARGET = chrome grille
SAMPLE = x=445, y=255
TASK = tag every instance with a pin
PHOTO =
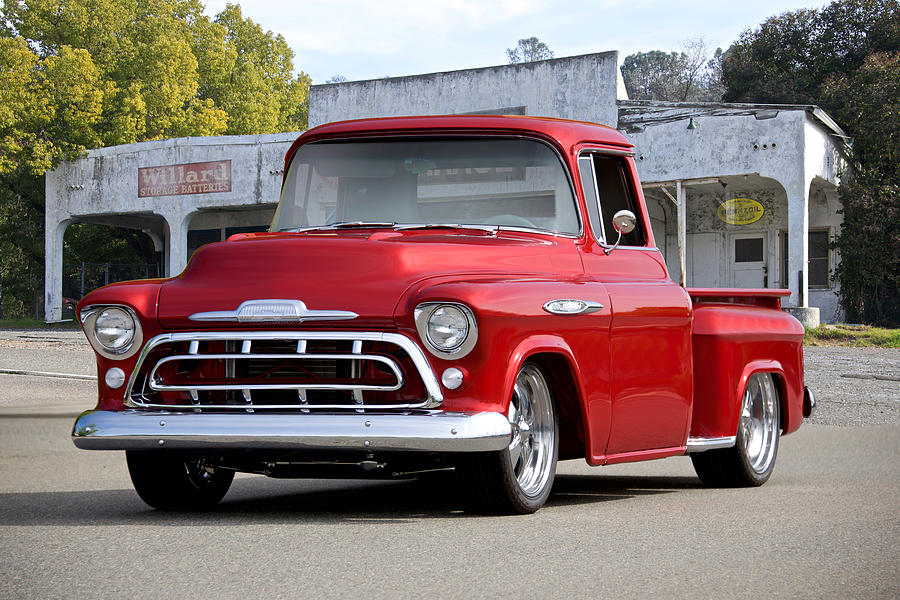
x=282, y=370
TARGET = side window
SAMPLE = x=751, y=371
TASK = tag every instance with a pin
x=615, y=195
x=606, y=192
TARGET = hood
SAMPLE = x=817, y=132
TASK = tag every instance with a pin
x=363, y=272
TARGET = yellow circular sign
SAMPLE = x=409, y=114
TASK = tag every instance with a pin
x=740, y=211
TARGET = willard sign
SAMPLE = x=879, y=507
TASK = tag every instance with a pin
x=191, y=178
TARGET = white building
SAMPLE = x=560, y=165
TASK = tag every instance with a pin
x=739, y=195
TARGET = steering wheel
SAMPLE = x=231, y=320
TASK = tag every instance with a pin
x=511, y=220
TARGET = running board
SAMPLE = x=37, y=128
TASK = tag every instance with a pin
x=702, y=444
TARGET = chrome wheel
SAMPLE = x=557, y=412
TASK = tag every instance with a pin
x=532, y=450
x=759, y=422
x=518, y=479
x=751, y=460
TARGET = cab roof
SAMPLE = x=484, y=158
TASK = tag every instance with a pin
x=564, y=132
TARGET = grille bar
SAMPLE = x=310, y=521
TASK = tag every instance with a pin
x=139, y=386
x=157, y=385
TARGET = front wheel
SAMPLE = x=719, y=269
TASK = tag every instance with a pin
x=177, y=482
x=751, y=460
x=518, y=480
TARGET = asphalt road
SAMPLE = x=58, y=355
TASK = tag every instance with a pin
x=826, y=525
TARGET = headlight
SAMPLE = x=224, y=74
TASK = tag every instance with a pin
x=114, y=329
x=448, y=330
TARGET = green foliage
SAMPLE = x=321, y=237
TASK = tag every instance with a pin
x=80, y=74
x=869, y=244
x=528, y=50
x=692, y=75
x=844, y=57
x=867, y=102
x=29, y=323
x=853, y=335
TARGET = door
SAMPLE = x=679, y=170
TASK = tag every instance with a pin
x=749, y=267
x=651, y=375
x=703, y=252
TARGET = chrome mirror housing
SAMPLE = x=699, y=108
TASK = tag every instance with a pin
x=623, y=222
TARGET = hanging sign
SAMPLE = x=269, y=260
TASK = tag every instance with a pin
x=191, y=178
x=740, y=211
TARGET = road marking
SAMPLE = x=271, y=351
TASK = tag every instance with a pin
x=47, y=374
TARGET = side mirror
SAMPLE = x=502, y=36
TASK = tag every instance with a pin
x=624, y=222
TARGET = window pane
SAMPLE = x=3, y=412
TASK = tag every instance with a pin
x=615, y=195
x=818, y=272
x=199, y=237
x=748, y=250
x=818, y=244
x=503, y=182
x=784, y=260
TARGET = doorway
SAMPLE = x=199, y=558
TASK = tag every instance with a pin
x=748, y=260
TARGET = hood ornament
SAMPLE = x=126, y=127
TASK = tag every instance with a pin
x=273, y=311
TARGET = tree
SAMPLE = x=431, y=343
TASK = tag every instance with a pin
x=691, y=75
x=844, y=57
x=336, y=79
x=80, y=74
x=528, y=50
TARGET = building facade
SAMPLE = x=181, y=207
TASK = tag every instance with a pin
x=739, y=195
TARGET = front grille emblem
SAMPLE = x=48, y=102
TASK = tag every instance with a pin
x=273, y=311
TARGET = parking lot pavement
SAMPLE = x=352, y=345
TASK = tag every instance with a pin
x=854, y=386
x=53, y=350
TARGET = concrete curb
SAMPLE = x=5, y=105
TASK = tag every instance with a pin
x=48, y=374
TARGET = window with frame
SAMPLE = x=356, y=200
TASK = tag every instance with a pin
x=607, y=190
x=819, y=261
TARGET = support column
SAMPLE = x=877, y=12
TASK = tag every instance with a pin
x=176, y=243
x=53, y=266
x=680, y=202
x=798, y=243
x=798, y=255
x=681, y=195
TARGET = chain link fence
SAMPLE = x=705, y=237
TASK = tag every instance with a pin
x=81, y=278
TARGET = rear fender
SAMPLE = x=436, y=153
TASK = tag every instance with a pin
x=750, y=369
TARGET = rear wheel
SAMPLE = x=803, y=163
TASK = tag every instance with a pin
x=177, y=482
x=518, y=480
x=751, y=460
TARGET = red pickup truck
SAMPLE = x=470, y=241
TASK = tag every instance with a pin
x=477, y=293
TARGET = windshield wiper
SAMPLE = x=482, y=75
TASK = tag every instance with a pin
x=490, y=228
x=352, y=224
x=344, y=225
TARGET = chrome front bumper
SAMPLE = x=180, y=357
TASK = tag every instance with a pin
x=425, y=431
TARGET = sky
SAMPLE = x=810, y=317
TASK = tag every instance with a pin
x=369, y=39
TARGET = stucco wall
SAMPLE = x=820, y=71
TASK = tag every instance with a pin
x=578, y=87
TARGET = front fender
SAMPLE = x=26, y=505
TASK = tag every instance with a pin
x=513, y=327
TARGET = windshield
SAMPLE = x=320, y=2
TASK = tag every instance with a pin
x=495, y=182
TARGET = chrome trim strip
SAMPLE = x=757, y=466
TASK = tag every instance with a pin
x=156, y=385
x=431, y=431
x=273, y=311
x=702, y=444
x=588, y=307
x=434, y=395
